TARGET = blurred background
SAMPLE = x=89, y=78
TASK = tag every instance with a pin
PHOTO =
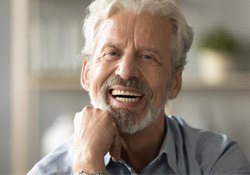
x=40, y=44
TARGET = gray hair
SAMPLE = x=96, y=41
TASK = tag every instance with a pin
x=99, y=10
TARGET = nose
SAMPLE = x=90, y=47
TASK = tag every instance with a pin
x=128, y=67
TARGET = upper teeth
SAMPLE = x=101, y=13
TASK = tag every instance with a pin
x=127, y=93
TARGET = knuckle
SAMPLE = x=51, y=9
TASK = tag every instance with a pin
x=87, y=108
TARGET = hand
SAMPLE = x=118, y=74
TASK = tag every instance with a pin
x=95, y=134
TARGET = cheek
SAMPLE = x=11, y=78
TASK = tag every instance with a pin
x=160, y=87
x=159, y=93
x=99, y=73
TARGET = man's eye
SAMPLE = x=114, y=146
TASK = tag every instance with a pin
x=150, y=59
x=111, y=55
x=147, y=57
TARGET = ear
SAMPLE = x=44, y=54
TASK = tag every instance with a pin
x=85, y=74
x=176, y=85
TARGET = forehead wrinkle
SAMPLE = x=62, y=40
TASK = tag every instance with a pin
x=162, y=40
x=108, y=35
x=119, y=33
x=143, y=43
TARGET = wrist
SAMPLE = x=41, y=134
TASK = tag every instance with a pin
x=88, y=164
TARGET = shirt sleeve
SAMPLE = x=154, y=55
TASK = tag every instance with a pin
x=231, y=161
x=36, y=171
x=57, y=162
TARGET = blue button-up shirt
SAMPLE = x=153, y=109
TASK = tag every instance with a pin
x=185, y=150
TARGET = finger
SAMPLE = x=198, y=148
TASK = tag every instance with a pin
x=77, y=122
x=115, y=150
x=79, y=117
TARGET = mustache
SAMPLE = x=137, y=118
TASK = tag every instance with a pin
x=133, y=83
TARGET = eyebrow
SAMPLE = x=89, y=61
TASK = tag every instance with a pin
x=151, y=50
x=113, y=45
x=119, y=46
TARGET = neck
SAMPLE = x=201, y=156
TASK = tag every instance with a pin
x=139, y=149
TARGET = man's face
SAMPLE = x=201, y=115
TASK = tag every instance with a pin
x=130, y=73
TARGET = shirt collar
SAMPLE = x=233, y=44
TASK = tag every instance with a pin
x=107, y=159
x=168, y=148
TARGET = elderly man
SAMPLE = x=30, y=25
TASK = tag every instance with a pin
x=135, y=52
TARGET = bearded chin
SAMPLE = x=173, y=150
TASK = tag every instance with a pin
x=128, y=122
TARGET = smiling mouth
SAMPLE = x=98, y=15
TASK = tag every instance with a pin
x=126, y=96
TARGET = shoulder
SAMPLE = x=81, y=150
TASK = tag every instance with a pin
x=196, y=137
x=212, y=152
x=56, y=162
